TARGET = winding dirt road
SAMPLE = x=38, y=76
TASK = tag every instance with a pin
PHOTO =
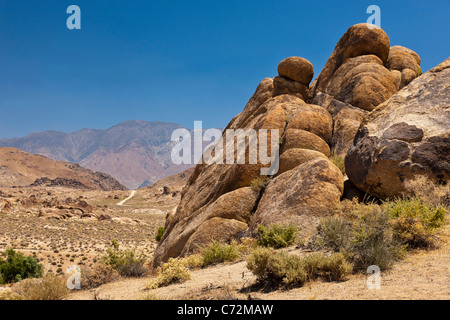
x=133, y=193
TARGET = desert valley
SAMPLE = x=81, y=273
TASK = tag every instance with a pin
x=363, y=184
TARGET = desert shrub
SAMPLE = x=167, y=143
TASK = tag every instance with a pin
x=339, y=162
x=374, y=242
x=98, y=275
x=415, y=221
x=289, y=269
x=217, y=252
x=331, y=268
x=16, y=267
x=50, y=287
x=280, y=267
x=173, y=271
x=160, y=233
x=259, y=183
x=258, y=261
x=334, y=233
x=194, y=261
x=6, y=294
x=128, y=263
x=427, y=190
x=276, y=236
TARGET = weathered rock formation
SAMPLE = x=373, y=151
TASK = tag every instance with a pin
x=362, y=72
x=407, y=135
x=220, y=202
x=227, y=201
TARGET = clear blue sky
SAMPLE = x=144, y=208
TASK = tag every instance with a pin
x=175, y=61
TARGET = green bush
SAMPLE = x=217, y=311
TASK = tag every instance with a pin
x=280, y=267
x=160, y=233
x=128, y=263
x=276, y=236
x=334, y=233
x=16, y=267
x=173, y=271
x=216, y=253
x=375, y=243
x=415, y=221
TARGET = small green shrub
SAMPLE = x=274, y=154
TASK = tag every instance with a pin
x=259, y=183
x=216, y=253
x=334, y=233
x=330, y=268
x=128, y=263
x=414, y=221
x=375, y=243
x=16, y=267
x=160, y=233
x=280, y=267
x=173, y=271
x=276, y=236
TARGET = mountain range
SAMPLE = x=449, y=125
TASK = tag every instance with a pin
x=137, y=153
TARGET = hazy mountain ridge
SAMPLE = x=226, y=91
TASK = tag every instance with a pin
x=131, y=151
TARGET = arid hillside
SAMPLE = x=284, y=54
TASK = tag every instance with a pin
x=21, y=169
x=136, y=153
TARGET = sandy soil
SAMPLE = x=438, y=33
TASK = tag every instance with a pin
x=422, y=275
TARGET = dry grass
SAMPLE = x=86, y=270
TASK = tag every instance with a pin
x=50, y=287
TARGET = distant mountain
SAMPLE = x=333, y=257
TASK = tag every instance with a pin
x=136, y=153
x=22, y=169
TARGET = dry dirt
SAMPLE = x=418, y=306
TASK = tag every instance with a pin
x=422, y=275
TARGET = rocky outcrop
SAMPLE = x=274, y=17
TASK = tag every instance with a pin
x=407, y=135
x=221, y=202
x=227, y=201
x=362, y=72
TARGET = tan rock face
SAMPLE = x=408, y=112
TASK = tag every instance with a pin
x=314, y=119
x=301, y=196
x=294, y=157
x=361, y=73
x=217, y=229
x=301, y=139
x=405, y=136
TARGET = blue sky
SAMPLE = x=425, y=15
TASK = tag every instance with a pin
x=175, y=61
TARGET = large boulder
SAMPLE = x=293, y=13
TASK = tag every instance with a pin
x=407, y=135
x=362, y=72
x=297, y=69
x=301, y=196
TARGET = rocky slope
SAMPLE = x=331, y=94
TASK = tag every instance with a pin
x=136, y=153
x=224, y=202
x=406, y=136
x=21, y=169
